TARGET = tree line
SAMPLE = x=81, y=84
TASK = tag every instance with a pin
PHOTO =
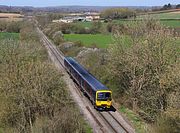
x=166, y=7
x=118, y=13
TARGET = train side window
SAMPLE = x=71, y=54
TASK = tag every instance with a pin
x=81, y=82
x=73, y=71
x=77, y=77
x=84, y=84
x=89, y=89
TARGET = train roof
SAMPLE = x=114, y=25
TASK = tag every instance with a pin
x=92, y=81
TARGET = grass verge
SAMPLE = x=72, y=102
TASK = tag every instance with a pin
x=139, y=125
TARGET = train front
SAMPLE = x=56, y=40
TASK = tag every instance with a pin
x=103, y=99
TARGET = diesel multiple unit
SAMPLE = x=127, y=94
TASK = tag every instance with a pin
x=100, y=95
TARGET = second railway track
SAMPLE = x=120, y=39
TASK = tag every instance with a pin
x=108, y=122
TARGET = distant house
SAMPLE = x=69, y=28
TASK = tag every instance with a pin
x=64, y=20
x=92, y=13
x=91, y=17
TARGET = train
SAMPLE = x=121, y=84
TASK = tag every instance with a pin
x=99, y=95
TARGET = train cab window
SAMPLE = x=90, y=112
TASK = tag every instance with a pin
x=107, y=95
x=103, y=96
x=100, y=95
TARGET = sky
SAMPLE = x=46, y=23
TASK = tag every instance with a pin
x=43, y=3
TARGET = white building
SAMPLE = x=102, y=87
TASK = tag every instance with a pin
x=64, y=20
x=92, y=17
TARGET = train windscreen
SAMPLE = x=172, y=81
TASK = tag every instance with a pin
x=104, y=96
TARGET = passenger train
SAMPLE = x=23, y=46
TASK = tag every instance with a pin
x=99, y=95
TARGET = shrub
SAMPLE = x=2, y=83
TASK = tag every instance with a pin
x=96, y=27
x=58, y=38
x=32, y=89
x=166, y=124
x=13, y=27
x=28, y=33
x=10, y=26
x=139, y=63
x=3, y=25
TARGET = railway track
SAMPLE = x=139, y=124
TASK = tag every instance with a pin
x=107, y=121
x=116, y=126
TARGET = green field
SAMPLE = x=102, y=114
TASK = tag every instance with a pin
x=171, y=23
x=171, y=19
x=170, y=15
x=100, y=40
x=7, y=35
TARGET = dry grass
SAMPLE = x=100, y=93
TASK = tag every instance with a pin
x=177, y=12
x=164, y=11
x=11, y=17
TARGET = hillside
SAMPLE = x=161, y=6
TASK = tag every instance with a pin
x=75, y=8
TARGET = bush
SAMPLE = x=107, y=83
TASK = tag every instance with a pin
x=166, y=124
x=78, y=29
x=96, y=27
x=3, y=25
x=13, y=27
x=32, y=89
x=10, y=26
x=140, y=63
x=28, y=33
x=25, y=79
x=114, y=28
x=58, y=38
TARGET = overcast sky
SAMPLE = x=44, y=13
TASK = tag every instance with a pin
x=42, y=3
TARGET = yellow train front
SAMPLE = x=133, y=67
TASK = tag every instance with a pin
x=99, y=94
x=103, y=99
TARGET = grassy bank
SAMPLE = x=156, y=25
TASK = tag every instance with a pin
x=139, y=124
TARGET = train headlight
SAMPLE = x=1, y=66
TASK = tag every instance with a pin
x=98, y=102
